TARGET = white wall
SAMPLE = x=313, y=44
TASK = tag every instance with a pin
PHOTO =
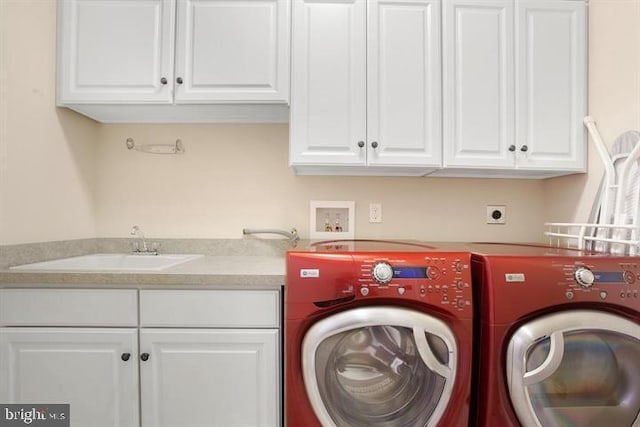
x=614, y=100
x=47, y=156
x=63, y=176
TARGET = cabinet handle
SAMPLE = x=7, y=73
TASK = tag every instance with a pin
x=163, y=80
x=125, y=356
x=144, y=357
x=512, y=148
x=374, y=144
x=179, y=80
x=360, y=144
x=524, y=148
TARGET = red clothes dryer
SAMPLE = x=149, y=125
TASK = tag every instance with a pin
x=558, y=337
x=377, y=334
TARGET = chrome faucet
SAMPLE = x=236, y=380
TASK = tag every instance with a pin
x=141, y=246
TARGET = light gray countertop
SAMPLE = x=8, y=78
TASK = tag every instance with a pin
x=225, y=265
x=219, y=271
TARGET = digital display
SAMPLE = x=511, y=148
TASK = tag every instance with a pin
x=609, y=276
x=410, y=273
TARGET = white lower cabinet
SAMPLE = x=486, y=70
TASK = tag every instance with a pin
x=202, y=364
x=210, y=377
x=95, y=370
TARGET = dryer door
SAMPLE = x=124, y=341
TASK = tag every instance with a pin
x=379, y=366
x=576, y=368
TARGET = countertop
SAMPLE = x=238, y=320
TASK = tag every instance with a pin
x=219, y=271
x=225, y=265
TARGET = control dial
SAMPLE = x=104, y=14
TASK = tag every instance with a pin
x=382, y=273
x=584, y=277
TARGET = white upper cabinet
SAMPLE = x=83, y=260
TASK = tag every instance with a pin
x=479, y=83
x=404, y=83
x=514, y=87
x=230, y=50
x=328, y=83
x=365, y=87
x=115, y=51
x=551, y=84
x=135, y=60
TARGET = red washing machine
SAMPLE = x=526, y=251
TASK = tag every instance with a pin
x=558, y=335
x=377, y=334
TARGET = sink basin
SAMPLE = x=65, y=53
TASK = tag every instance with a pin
x=111, y=262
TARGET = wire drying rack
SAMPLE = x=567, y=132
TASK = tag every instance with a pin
x=614, y=226
x=594, y=237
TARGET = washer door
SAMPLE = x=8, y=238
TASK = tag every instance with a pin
x=577, y=368
x=379, y=366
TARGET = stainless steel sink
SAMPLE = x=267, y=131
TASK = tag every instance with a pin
x=111, y=262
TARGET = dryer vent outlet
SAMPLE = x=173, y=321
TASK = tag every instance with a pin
x=496, y=214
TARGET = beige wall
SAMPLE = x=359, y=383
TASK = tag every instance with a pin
x=47, y=156
x=236, y=176
x=63, y=176
x=614, y=100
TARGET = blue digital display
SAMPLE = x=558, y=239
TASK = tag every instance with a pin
x=609, y=276
x=410, y=273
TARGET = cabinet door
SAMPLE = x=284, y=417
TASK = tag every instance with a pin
x=478, y=83
x=551, y=84
x=328, y=83
x=115, y=51
x=226, y=377
x=230, y=50
x=81, y=367
x=404, y=86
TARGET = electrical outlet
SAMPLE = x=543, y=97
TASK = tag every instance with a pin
x=496, y=214
x=375, y=212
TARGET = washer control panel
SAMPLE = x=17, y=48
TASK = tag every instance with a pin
x=513, y=285
x=442, y=279
x=604, y=281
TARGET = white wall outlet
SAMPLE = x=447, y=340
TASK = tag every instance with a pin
x=496, y=214
x=375, y=212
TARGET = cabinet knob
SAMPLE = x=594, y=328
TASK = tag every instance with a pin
x=512, y=148
x=360, y=144
x=524, y=148
x=125, y=356
x=144, y=357
x=179, y=80
x=374, y=144
x=163, y=80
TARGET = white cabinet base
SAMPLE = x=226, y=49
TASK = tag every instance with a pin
x=222, y=377
x=79, y=366
x=184, y=113
x=499, y=173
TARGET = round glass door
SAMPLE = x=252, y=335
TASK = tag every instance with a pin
x=392, y=370
x=578, y=369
